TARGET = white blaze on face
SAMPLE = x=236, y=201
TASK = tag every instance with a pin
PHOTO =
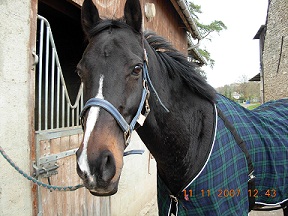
x=90, y=123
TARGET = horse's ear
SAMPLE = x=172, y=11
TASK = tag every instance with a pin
x=133, y=14
x=89, y=16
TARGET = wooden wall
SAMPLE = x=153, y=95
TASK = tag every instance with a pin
x=166, y=23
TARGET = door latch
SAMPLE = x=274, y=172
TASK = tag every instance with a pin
x=47, y=166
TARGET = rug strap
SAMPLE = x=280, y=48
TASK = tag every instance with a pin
x=285, y=208
x=242, y=145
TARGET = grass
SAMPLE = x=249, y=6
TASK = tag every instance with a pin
x=253, y=106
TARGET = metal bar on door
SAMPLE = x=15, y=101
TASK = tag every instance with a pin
x=52, y=88
x=40, y=75
x=63, y=107
x=58, y=98
x=53, y=95
x=46, y=75
x=68, y=114
x=73, y=117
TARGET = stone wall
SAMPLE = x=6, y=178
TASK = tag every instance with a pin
x=15, y=91
x=275, y=56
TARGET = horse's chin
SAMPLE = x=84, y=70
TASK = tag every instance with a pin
x=104, y=191
x=110, y=193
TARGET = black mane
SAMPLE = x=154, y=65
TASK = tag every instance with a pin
x=177, y=65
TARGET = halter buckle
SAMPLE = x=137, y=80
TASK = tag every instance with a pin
x=147, y=106
x=145, y=84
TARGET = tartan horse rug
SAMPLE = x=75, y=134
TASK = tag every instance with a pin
x=221, y=187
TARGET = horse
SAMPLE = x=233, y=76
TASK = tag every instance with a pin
x=213, y=156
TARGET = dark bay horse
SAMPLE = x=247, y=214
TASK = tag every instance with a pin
x=208, y=149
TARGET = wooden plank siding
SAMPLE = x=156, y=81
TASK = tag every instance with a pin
x=167, y=22
x=79, y=202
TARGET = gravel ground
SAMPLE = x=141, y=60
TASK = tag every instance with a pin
x=270, y=213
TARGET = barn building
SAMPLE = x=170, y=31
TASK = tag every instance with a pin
x=41, y=41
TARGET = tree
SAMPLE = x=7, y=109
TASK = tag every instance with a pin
x=242, y=86
x=247, y=90
x=205, y=30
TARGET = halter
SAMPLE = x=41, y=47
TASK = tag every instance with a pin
x=139, y=117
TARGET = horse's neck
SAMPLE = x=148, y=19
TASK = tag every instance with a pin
x=181, y=139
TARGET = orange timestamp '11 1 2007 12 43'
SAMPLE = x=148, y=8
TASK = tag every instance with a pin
x=225, y=193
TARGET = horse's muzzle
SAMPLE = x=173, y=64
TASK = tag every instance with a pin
x=99, y=175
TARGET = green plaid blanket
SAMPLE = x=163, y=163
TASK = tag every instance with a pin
x=221, y=188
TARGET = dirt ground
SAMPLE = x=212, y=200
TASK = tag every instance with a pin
x=151, y=209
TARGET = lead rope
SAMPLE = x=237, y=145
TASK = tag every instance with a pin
x=34, y=180
x=49, y=186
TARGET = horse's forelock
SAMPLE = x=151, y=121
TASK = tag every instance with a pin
x=108, y=23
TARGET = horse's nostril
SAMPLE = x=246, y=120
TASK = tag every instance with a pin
x=103, y=166
x=107, y=168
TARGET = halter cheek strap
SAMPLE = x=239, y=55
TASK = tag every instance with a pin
x=143, y=106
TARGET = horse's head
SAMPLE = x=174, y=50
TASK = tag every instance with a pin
x=111, y=70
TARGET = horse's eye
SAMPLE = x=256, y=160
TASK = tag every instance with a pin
x=137, y=70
